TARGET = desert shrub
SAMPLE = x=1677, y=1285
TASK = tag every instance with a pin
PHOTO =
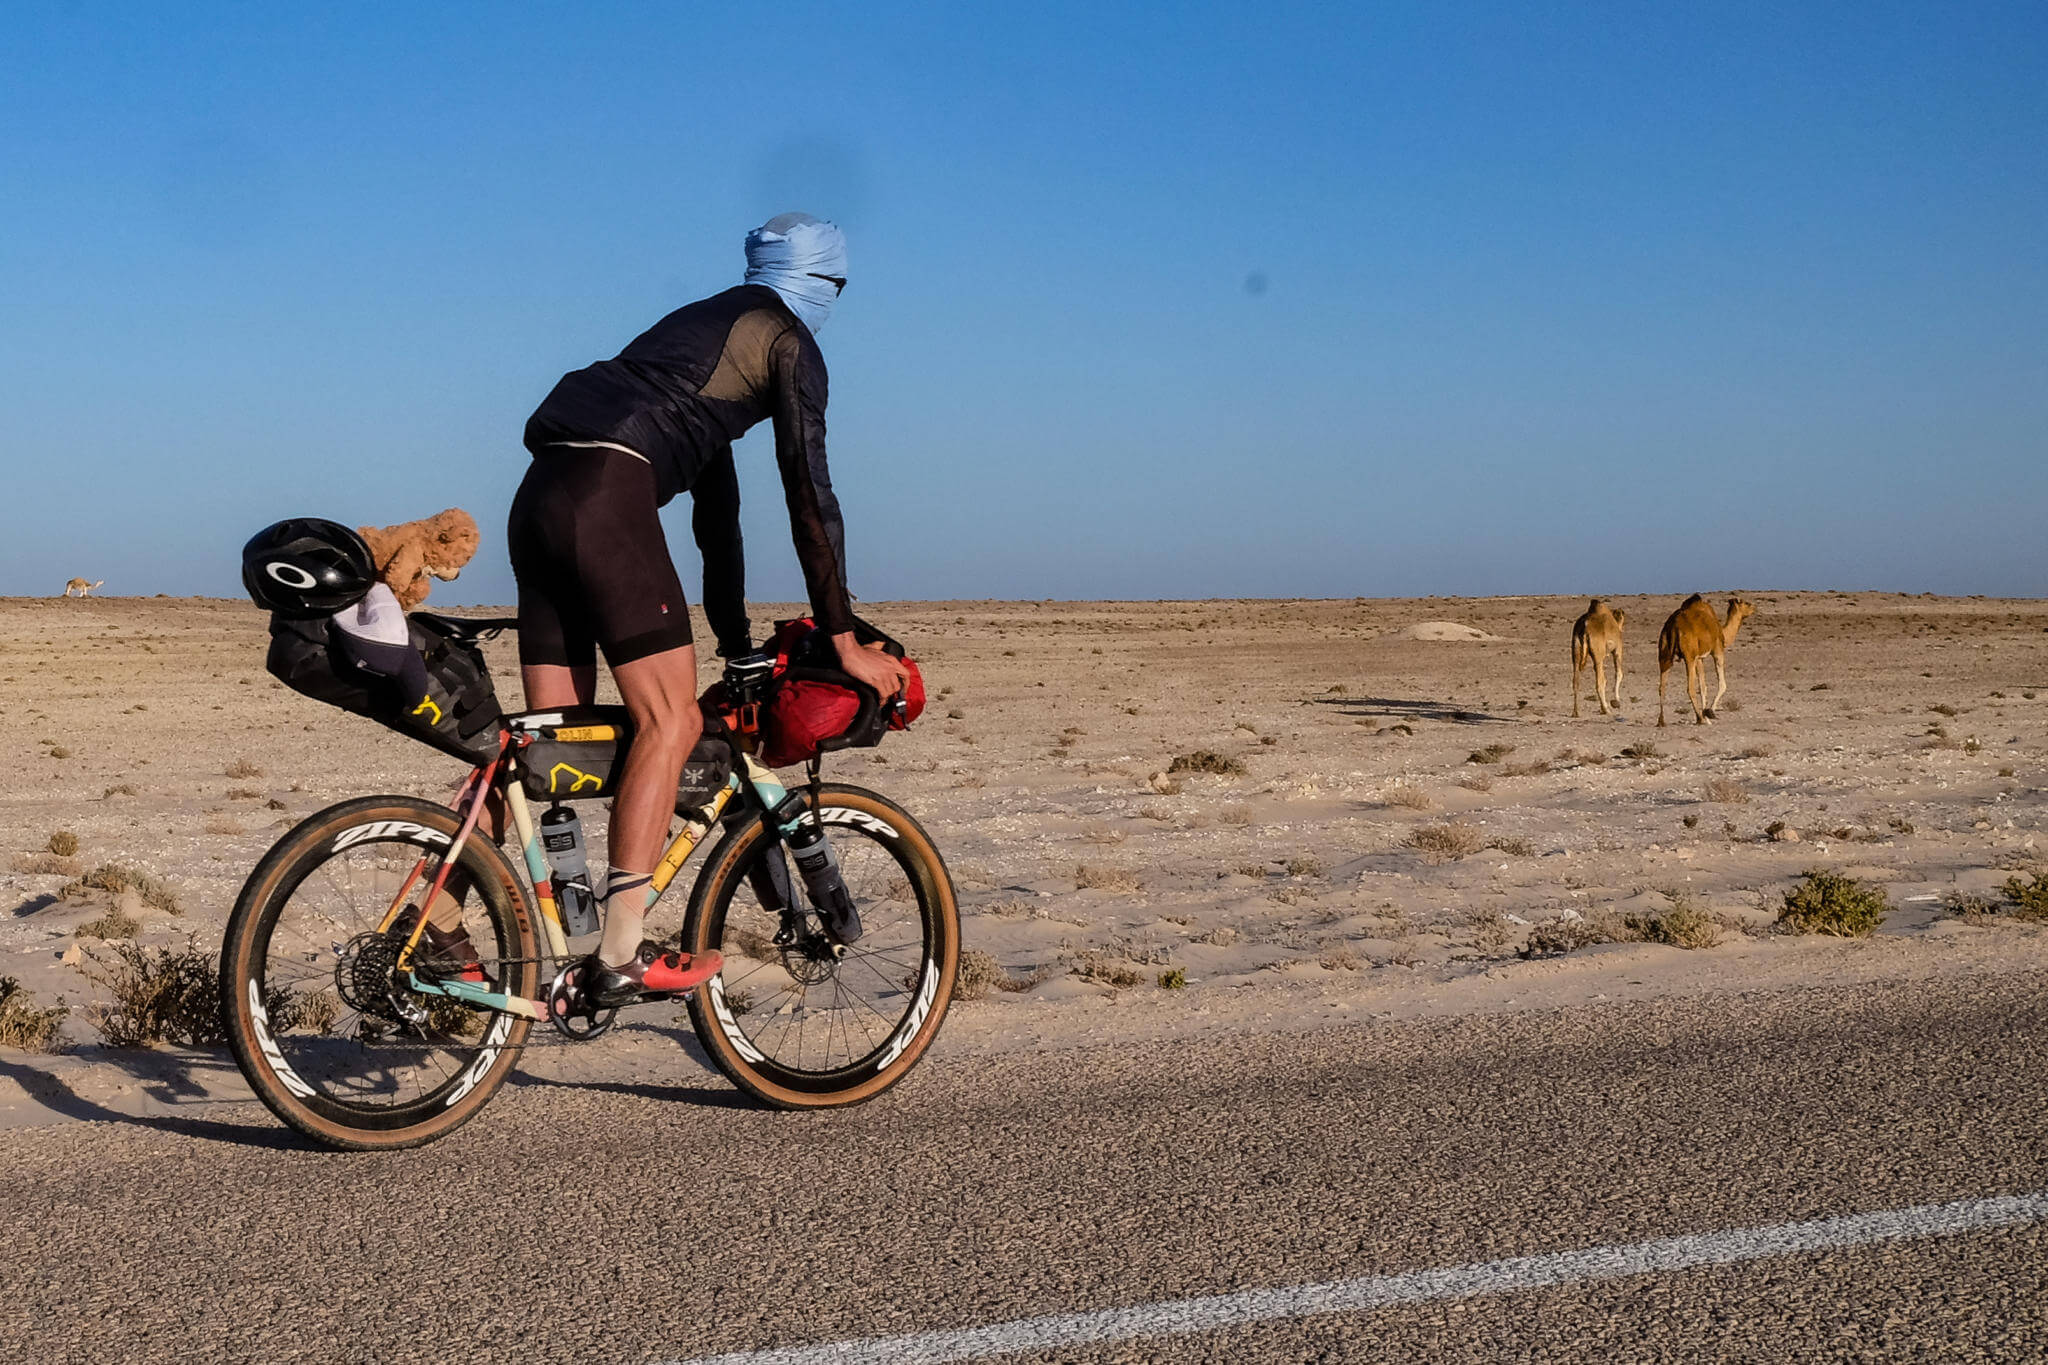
x=63, y=843
x=114, y=878
x=1414, y=798
x=242, y=767
x=1173, y=979
x=1684, y=925
x=1513, y=845
x=978, y=974
x=1535, y=769
x=1442, y=843
x=1306, y=865
x=118, y=789
x=1110, y=971
x=1641, y=750
x=1206, y=761
x=1087, y=877
x=2028, y=900
x=1726, y=791
x=158, y=995
x=1826, y=902
x=1758, y=751
x=1476, y=783
x=24, y=1024
x=113, y=924
x=45, y=864
x=1492, y=753
x=1222, y=936
x=1553, y=938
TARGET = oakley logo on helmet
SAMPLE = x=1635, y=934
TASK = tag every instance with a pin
x=291, y=575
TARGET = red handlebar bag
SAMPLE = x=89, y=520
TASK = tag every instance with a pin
x=817, y=708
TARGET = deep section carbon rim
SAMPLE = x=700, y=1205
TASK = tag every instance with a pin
x=335, y=1022
x=801, y=1017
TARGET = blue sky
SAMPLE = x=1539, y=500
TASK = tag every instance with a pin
x=1188, y=300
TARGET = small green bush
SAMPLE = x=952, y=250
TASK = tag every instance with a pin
x=1173, y=979
x=22, y=1023
x=2029, y=899
x=1206, y=761
x=1684, y=925
x=1826, y=902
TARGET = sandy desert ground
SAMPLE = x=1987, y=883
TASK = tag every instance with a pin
x=1896, y=738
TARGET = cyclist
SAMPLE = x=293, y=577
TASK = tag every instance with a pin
x=613, y=442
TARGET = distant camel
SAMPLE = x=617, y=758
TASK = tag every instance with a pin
x=78, y=587
x=1594, y=636
x=1693, y=633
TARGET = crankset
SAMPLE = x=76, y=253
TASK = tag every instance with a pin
x=570, y=1013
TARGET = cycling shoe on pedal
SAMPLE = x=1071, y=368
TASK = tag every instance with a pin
x=448, y=954
x=452, y=954
x=653, y=971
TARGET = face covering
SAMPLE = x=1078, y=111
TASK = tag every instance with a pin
x=803, y=260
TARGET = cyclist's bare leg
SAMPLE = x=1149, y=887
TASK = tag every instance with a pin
x=660, y=692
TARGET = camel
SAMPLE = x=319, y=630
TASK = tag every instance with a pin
x=1594, y=636
x=78, y=587
x=1693, y=633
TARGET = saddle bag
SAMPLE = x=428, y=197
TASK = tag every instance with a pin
x=459, y=714
x=578, y=751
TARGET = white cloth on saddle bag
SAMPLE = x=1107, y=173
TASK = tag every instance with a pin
x=373, y=636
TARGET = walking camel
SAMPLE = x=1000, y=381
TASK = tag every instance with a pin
x=1594, y=636
x=78, y=587
x=1693, y=633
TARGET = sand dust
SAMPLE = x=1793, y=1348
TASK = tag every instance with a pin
x=1898, y=738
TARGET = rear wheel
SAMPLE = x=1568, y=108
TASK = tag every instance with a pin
x=329, y=1033
x=793, y=1024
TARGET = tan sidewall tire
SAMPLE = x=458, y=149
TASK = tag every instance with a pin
x=493, y=877
x=725, y=869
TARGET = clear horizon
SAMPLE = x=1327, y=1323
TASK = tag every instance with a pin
x=1164, y=303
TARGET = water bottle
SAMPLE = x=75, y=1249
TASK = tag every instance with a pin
x=820, y=873
x=561, y=838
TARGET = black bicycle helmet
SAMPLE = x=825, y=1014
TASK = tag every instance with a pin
x=305, y=567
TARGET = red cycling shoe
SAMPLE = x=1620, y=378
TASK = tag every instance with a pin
x=653, y=971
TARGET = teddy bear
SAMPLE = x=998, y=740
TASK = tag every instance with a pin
x=412, y=553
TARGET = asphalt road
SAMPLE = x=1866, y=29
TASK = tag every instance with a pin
x=637, y=1223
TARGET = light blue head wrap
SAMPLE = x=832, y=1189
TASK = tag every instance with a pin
x=799, y=257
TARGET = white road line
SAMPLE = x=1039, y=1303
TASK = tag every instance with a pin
x=1182, y=1316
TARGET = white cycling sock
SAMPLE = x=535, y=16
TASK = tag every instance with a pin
x=625, y=911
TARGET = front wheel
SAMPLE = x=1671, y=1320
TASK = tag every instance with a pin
x=794, y=1024
x=324, y=1024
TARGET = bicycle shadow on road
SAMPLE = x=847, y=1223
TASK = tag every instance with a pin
x=1395, y=708
x=162, y=1081
x=714, y=1095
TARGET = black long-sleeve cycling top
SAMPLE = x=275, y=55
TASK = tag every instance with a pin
x=678, y=396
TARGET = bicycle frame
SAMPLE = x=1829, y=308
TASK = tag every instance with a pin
x=499, y=774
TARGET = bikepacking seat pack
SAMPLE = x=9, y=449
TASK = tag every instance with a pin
x=459, y=714
x=578, y=751
x=815, y=707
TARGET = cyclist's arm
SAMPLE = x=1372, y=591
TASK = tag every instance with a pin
x=798, y=372
x=715, y=521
